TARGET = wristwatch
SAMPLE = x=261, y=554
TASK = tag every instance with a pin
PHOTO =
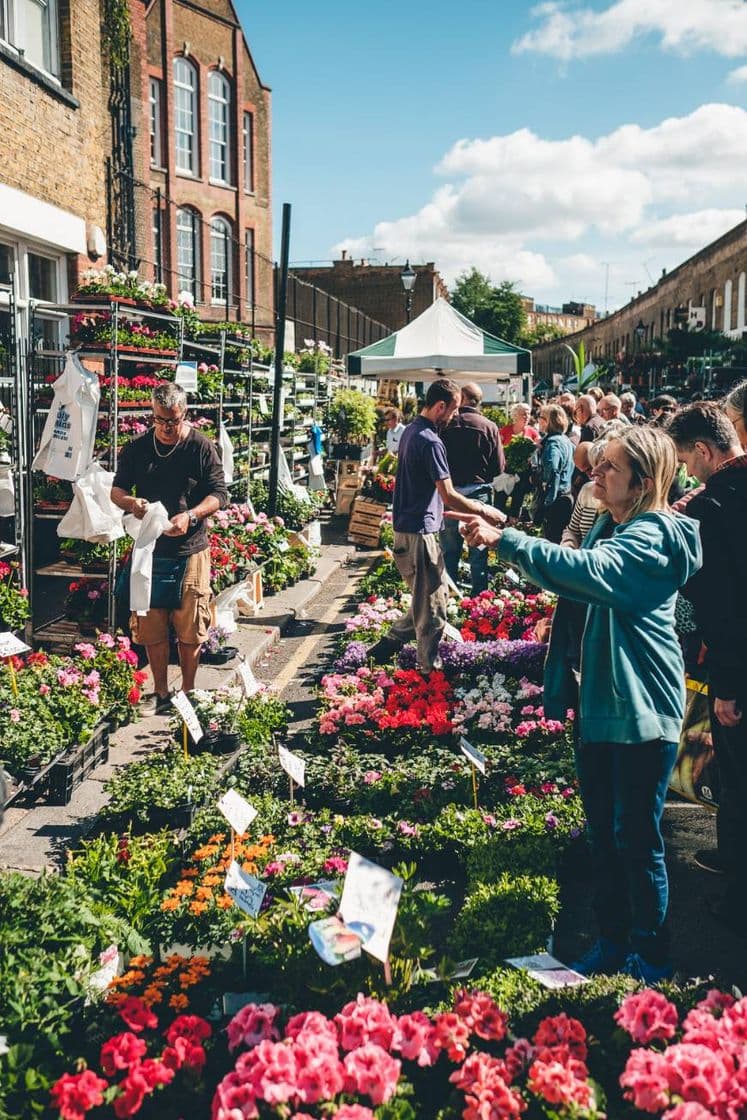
x=194, y=520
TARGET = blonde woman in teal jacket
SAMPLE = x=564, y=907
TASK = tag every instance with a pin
x=631, y=692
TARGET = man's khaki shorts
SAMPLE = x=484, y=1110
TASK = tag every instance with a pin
x=191, y=620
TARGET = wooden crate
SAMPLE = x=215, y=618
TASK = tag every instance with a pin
x=365, y=522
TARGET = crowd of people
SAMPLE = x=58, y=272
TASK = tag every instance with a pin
x=629, y=518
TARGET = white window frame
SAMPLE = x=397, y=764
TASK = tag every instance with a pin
x=13, y=34
x=250, y=276
x=155, y=98
x=248, y=151
x=224, y=287
x=20, y=249
x=186, y=90
x=219, y=128
x=194, y=232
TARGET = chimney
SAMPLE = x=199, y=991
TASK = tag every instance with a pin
x=344, y=255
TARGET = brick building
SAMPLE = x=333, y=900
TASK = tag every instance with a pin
x=709, y=290
x=53, y=141
x=376, y=289
x=203, y=149
x=569, y=318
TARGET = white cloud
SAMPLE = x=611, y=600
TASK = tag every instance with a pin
x=543, y=212
x=737, y=76
x=573, y=32
x=688, y=231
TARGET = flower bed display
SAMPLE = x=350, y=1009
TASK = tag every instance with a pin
x=240, y=542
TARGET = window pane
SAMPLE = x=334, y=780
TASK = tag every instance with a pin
x=156, y=156
x=187, y=253
x=42, y=278
x=185, y=114
x=36, y=32
x=250, y=267
x=157, y=254
x=6, y=263
x=219, y=260
x=218, y=113
x=248, y=151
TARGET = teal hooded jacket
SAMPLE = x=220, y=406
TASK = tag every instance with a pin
x=632, y=673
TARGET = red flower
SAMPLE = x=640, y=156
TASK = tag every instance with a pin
x=137, y=1015
x=191, y=1027
x=134, y=1087
x=155, y=1072
x=75, y=1094
x=133, y=696
x=184, y=1054
x=121, y=1052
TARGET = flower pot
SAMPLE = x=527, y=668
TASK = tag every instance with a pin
x=220, y=656
x=217, y=742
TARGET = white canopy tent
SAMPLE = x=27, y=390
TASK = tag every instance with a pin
x=441, y=343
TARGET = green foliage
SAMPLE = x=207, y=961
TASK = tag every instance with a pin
x=262, y=717
x=508, y=918
x=117, y=32
x=14, y=603
x=518, y=453
x=351, y=415
x=497, y=309
x=163, y=780
x=383, y=580
x=123, y=874
x=543, y=332
x=295, y=512
x=498, y=415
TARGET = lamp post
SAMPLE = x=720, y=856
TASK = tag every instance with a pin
x=640, y=333
x=408, y=276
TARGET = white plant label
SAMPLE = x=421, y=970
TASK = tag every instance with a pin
x=247, y=679
x=477, y=758
x=186, y=376
x=237, y=811
x=247, y=891
x=188, y=714
x=283, y=546
x=513, y=576
x=11, y=646
x=452, y=633
x=294, y=766
x=369, y=904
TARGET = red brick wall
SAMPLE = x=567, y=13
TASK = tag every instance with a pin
x=377, y=290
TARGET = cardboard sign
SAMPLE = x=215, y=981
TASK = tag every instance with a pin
x=334, y=941
x=186, y=376
x=11, y=646
x=452, y=633
x=294, y=766
x=238, y=812
x=369, y=904
x=548, y=971
x=247, y=891
x=188, y=714
x=476, y=757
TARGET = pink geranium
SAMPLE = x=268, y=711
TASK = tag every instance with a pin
x=647, y=1016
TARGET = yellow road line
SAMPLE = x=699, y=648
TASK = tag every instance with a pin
x=301, y=656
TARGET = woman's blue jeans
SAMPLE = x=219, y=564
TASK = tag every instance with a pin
x=624, y=787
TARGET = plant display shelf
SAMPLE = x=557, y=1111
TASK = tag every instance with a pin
x=55, y=782
x=59, y=636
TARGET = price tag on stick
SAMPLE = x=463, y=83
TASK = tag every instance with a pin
x=452, y=633
x=247, y=891
x=237, y=811
x=477, y=758
x=294, y=766
x=188, y=714
x=11, y=646
x=247, y=679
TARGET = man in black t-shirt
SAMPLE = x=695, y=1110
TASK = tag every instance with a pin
x=174, y=464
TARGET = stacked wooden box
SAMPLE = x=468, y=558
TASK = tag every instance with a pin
x=365, y=522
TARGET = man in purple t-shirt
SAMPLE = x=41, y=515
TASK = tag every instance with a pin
x=422, y=488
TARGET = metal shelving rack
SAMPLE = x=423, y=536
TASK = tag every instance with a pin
x=13, y=409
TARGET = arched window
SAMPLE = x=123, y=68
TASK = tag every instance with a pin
x=220, y=260
x=219, y=116
x=188, y=251
x=185, y=116
x=727, y=306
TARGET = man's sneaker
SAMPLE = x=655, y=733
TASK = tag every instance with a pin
x=641, y=969
x=709, y=860
x=605, y=956
x=383, y=651
x=155, y=705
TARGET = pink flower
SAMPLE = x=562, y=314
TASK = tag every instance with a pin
x=556, y=1084
x=234, y=1099
x=121, y=1052
x=413, y=1038
x=86, y=650
x=370, y=1070
x=365, y=1020
x=107, y=641
x=15, y=715
x=371, y=776
x=310, y=1021
x=646, y=1016
x=645, y=1080
x=354, y=1112
x=688, y=1110
x=44, y=689
x=252, y=1025
x=75, y=1094
x=335, y=864
x=451, y=1035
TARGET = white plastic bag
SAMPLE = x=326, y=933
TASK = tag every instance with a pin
x=92, y=515
x=145, y=533
x=505, y=483
x=66, y=447
x=225, y=448
x=7, y=491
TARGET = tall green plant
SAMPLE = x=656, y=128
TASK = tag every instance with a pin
x=579, y=365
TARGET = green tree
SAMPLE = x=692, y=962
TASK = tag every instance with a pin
x=543, y=332
x=495, y=309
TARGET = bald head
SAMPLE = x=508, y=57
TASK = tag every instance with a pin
x=581, y=457
x=586, y=407
x=471, y=394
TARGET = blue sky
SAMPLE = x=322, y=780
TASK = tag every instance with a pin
x=534, y=143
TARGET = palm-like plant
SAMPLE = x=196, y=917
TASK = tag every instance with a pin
x=584, y=381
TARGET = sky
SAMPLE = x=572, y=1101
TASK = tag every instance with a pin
x=576, y=148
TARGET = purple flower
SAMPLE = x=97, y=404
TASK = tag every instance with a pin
x=353, y=657
x=295, y=818
x=551, y=821
x=574, y=833
x=516, y=659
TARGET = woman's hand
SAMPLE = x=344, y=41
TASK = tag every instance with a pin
x=476, y=530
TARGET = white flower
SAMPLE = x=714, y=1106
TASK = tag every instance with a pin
x=186, y=299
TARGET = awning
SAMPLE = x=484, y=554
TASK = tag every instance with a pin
x=440, y=342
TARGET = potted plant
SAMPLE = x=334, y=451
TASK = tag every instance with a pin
x=218, y=712
x=51, y=495
x=215, y=649
x=14, y=602
x=163, y=790
x=351, y=420
x=87, y=604
x=110, y=286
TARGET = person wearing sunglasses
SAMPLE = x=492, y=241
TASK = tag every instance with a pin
x=174, y=464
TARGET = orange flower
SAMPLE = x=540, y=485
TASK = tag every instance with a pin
x=204, y=893
x=211, y=880
x=183, y=889
x=152, y=994
x=141, y=962
x=218, y=838
x=197, y=908
x=205, y=852
x=175, y=960
x=179, y=1002
x=170, y=904
x=190, y=873
x=225, y=902
x=250, y=868
x=114, y=999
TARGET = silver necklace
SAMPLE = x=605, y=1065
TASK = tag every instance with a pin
x=168, y=453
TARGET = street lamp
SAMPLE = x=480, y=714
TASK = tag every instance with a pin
x=640, y=332
x=408, y=276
